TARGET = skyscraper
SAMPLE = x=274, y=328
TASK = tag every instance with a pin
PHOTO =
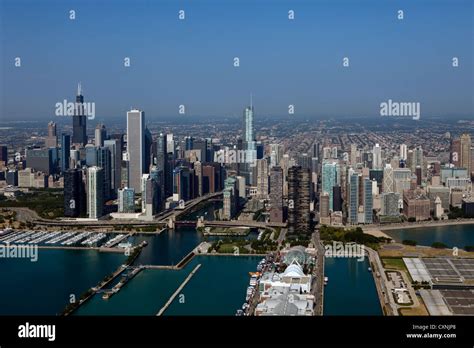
x=115, y=163
x=276, y=194
x=74, y=193
x=136, y=147
x=95, y=196
x=79, y=120
x=104, y=161
x=4, y=154
x=353, y=160
x=299, y=216
x=249, y=143
x=466, y=153
x=51, y=139
x=329, y=180
x=65, y=151
x=403, y=152
x=100, y=135
x=377, y=159
x=126, y=200
x=262, y=178
x=337, y=198
x=353, y=198
x=368, y=202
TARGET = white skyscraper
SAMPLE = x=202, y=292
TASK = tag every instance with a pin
x=377, y=161
x=169, y=143
x=136, y=147
x=403, y=152
x=95, y=195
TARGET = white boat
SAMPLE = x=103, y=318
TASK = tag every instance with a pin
x=326, y=279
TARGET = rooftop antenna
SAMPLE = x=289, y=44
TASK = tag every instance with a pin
x=251, y=102
x=79, y=89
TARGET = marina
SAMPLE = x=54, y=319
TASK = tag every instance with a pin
x=66, y=240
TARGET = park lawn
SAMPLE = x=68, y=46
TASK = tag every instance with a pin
x=394, y=263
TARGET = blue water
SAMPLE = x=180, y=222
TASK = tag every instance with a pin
x=351, y=288
x=217, y=288
x=451, y=235
x=143, y=295
x=169, y=247
x=44, y=287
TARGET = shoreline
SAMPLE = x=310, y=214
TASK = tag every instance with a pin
x=423, y=225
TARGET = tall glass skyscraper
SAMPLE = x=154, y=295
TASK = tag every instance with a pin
x=79, y=120
x=329, y=180
x=249, y=144
x=65, y=151
x=353, y=197
x=136, y=148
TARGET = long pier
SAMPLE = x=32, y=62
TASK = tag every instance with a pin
x=178, y=290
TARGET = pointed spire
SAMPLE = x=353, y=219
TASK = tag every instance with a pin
x=251, y=101
x=79, y=89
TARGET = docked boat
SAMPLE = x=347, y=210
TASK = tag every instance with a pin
x=326, y=279
x=370, y=269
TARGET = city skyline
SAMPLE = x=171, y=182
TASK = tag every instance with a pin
x=180, y=161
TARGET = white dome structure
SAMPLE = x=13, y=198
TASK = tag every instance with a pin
x=293, y=270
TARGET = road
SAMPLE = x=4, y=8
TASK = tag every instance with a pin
x=318, y=281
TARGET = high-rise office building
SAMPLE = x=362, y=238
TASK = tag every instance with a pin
x=126, y=200
x=43, y=160
x=182, y=184
x=100, y=135
x=390, y=204
x=336, y=198
x=159, y=199
x=377, y=157
x=136, y=148
x=324, y=208
x=148, y=150
x=353, y=199
x=52, y=138
x=368, y=201
x=262, y=178
x=4, y=153
x=113, y=145
x=465, y=160
x=150, y=196
x=304, y=161
x=202, y=146
x=455, y=154
x=388, y=181
x=95, y=195
x=79, y=120
x=231, y=198
x=276, y=153
x=104, y=161
x=353, y=154
x=249, y=143
x=65, y=151
x=74, y=193
x=299, y=189
x=403, y=152
x=276, y=194
x=329, y=180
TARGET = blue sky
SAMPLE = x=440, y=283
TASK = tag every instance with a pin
x=190, y=62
